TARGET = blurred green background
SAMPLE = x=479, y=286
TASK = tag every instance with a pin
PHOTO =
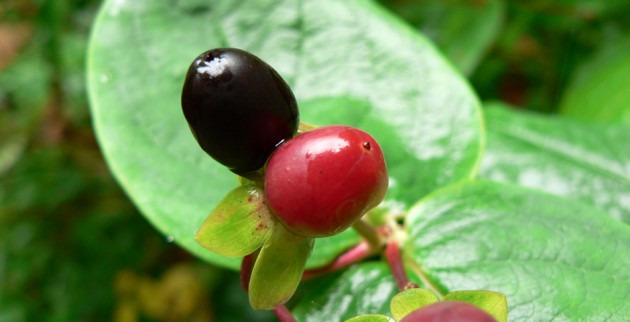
x=72, y=246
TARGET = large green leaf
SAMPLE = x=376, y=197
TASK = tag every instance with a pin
x=347, y=61
x=578, y=160
x=553, y=258
x=362, y=289
x=600, y=89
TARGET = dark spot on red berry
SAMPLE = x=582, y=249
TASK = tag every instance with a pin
x=367, y=145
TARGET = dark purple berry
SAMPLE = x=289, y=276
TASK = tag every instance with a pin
x=238, y=108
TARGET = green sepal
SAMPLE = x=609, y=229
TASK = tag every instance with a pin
x=492, y=302
x=410, y=300
x=370, y=318
x=239, y=224
x=278, y=268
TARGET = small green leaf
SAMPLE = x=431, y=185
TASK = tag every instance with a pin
x=492, y=302
x=371, y=318
x=278, y=268
x=575, y=159
x=410, y=300
x=239, y=225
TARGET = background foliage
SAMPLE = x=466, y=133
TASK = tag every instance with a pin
x=72, y=247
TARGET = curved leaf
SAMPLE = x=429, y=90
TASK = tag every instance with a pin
x=578, y=160
x=239, y=225
x=278, y=268
x=553, y=258
x=347, y=62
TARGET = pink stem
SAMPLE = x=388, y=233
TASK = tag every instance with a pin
x=355, y=254
x=283, y=314
x=392, y=253
x=247, y=265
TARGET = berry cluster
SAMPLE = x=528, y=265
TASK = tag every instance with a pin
x=295, y=188
x=242, y=112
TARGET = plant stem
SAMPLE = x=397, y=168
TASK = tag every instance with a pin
x=305, y=127
x=354, y=255
x=424, y=278
x=392, y=253
x=283, y=314
x=369, y=234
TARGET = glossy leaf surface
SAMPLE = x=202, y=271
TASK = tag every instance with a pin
x=581, y=161
x=554, y=259
x=362, y=289
x=347, y=62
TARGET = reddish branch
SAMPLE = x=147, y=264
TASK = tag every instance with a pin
x=354, y=255
x=283, y=314
x=392, y=253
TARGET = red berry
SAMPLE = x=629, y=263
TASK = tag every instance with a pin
x=449, y=311
x=320, y=182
